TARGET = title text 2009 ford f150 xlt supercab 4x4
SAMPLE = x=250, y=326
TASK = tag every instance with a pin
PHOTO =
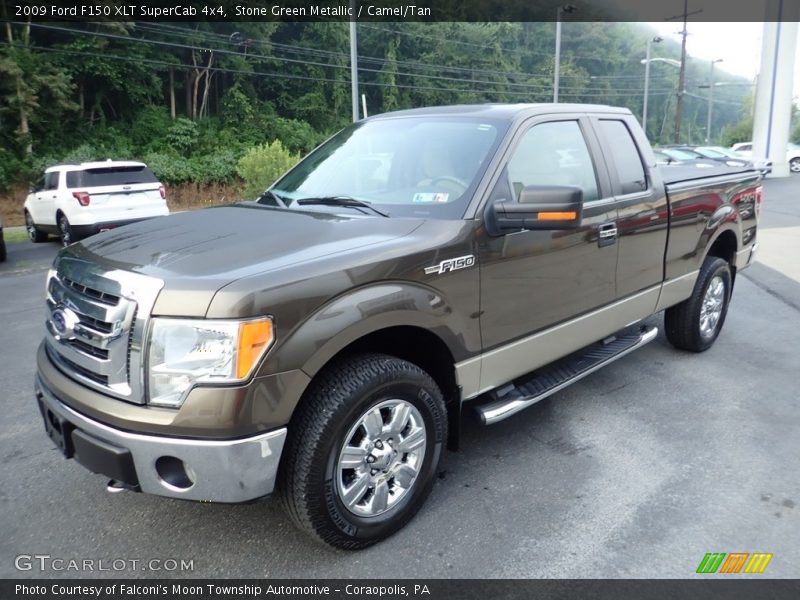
x=323, y=340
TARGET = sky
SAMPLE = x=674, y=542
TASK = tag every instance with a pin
x=737, y=44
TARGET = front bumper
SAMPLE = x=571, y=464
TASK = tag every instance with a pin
x=236, y=470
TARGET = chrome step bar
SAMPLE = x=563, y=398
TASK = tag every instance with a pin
x=552, y=379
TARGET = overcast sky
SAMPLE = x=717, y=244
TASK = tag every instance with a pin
x=737, y=44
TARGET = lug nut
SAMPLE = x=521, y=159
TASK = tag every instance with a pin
x=373, y=471
x=370, y=459
x=379, y=445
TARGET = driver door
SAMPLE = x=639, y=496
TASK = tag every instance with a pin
x=535, y=280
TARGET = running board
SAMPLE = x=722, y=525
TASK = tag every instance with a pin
x=529, y=390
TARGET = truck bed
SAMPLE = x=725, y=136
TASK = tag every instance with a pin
x=672, y=174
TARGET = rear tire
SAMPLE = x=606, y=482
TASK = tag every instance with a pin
x=363, y=451
x=65, y=231
x=36, y=235
x=695, y=323
x=2, y=248
x=794, y=165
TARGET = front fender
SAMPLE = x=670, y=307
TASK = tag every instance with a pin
x=365, y=310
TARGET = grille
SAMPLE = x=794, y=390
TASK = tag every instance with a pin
x=90, y=332
x=103, y=297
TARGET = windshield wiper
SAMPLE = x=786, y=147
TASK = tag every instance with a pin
x=340, y=201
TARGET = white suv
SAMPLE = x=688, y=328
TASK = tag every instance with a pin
x=75, y=201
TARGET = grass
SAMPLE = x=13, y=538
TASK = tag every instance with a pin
x=14, y=236
x=181, y=197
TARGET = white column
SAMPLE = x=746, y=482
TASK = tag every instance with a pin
x=775, y=80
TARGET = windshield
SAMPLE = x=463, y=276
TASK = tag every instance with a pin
x=408, y=166
x=680, y=154
x=711, y=153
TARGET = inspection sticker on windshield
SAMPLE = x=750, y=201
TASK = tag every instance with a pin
x=430, y=197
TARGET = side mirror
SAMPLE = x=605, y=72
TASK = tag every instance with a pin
x=541, y=207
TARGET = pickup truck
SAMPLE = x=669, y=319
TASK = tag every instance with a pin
x=324, y=340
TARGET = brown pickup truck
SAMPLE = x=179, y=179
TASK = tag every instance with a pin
x=324, y=340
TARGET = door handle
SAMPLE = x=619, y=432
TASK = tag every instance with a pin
x=607, y=234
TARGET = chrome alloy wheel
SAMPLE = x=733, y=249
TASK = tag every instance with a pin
x=381, y=458
x=711, y=309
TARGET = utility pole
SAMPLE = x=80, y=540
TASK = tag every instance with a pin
x=557, y=68
x=650, y=42
x=676, y=136
x=682, y=78
x=354, y=61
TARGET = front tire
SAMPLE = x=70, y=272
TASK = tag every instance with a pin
x=36, y=235
x=794, y=165
x=695, y=323
x=363, y=451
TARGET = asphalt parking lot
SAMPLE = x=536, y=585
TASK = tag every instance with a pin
x=636, y=471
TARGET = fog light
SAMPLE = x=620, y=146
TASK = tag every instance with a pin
x=175, y=474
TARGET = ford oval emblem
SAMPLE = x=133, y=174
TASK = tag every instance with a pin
x=64, y=321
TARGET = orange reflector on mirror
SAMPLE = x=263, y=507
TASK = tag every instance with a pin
x=557, y=216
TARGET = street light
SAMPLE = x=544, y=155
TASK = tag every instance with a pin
x=650, y=42
x=567, y=8
x=710, y=99
x=646, y=62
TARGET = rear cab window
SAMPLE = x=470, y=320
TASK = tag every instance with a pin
x=108, y=176
x=628, y=165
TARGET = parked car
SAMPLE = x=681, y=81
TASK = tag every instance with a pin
x=711, y=155
x=671, y=156
x=76, y=201
x=718, y=152
x=2, y=243
x=792, y=154
x=793, y=158
x=323, y=341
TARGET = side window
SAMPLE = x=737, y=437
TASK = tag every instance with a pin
x=73, y=179
x=51, y=180
x=630, y=171
x=552, y=154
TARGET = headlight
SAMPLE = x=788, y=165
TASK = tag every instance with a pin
x=185, y=352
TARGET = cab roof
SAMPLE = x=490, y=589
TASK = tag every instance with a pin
x=508, y=112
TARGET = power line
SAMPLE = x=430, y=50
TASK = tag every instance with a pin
x=139, y=60
x=522, y=86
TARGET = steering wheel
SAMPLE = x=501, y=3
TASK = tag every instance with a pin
x=449, y=178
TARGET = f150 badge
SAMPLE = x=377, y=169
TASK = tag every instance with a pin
x=451, y=264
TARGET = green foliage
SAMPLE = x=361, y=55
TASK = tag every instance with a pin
x=171, y=168
x=742, y=131
x=151, y=123
x=81, y=95
x=182, y=135
x=237, y=108
x=262, y=165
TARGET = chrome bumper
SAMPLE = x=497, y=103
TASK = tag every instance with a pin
x=220, y=470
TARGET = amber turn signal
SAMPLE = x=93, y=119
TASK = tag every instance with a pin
x=557, y=216
x=254, y=339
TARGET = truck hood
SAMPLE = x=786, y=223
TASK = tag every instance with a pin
x=204, y=250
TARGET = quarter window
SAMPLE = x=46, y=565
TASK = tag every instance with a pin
x=553, y=154
x=627, y=161
x=51, y=180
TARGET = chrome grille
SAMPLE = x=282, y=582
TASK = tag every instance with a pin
x=95, y=324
